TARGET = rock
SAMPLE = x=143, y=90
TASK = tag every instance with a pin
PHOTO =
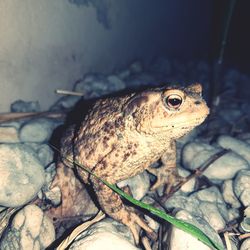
x=161, y=65
x=245, y=245
x=226, y=167
x=207, y=203
x=179, y=239
x=212, y=215
x=22, y=174
x=45, y=154
x=231, y=115
x=65, y=103
x=233, y=214
x=190, y=185
x=115, y=82
x=229, y=195
x=105, y=235
x=37, y=130
x=124, y=74
x=8, y=135
x=30, y=229
x=238, y=146
x=242, y=187
x=245, y=224
x=136, y=67
x=53, y=195
x=22, y=106
x=139, y=185
x=247, y=212
x=244, y=136
x=96, y=85
x=142, y=79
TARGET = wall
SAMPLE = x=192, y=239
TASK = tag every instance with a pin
x=48, y=44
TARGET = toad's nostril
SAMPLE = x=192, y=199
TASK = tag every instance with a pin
x=197, y=102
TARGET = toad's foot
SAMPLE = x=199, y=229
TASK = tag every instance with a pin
x=165, y=176
x=135, y=223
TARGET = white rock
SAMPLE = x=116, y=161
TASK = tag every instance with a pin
x=233, y=214
x=181, y=240
x=247, y=212
x=188, y=187
x=37, y=130
x=21, y=174
x=105, y=235
x=242, y=187
x=212, y=215
x=229, y=195
x=139, y=185
x=238, y=146
x=207, y=203
x=226, y=167
x=245, y=224
x=245, y=245
x=30, y=229
x=8, y=135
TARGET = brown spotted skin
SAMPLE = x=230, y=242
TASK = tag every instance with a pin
x=121, y=137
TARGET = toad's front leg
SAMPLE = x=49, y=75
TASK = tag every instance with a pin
x=112, y=204
x=166, y=174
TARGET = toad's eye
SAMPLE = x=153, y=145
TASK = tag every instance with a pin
x=173, y=101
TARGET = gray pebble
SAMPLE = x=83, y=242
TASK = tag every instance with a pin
x=226, y=167
x=242, y=187
x=116, y=82
x=37, y=130
x=30, y=229
x=229, y=195
x=238, y=146
x=22, y=106
x=22, y=174
x=96, y=85
x=162, y=65
x=231, y=115
x=136, y=67
x=65, y=103
x=124, y=74
x=45, y=154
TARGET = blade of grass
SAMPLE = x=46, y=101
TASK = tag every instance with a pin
x=185, y=226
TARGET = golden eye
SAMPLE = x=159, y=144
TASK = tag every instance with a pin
x=173, y=101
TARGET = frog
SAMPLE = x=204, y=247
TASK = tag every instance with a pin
x=123, y=136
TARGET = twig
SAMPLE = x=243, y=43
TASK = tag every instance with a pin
x=244, y=236
x=66, y=242
x=198, y=172
x=227, y=241
x=9, y=117
x=68, y=92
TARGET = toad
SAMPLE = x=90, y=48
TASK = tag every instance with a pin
x=122, y=136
